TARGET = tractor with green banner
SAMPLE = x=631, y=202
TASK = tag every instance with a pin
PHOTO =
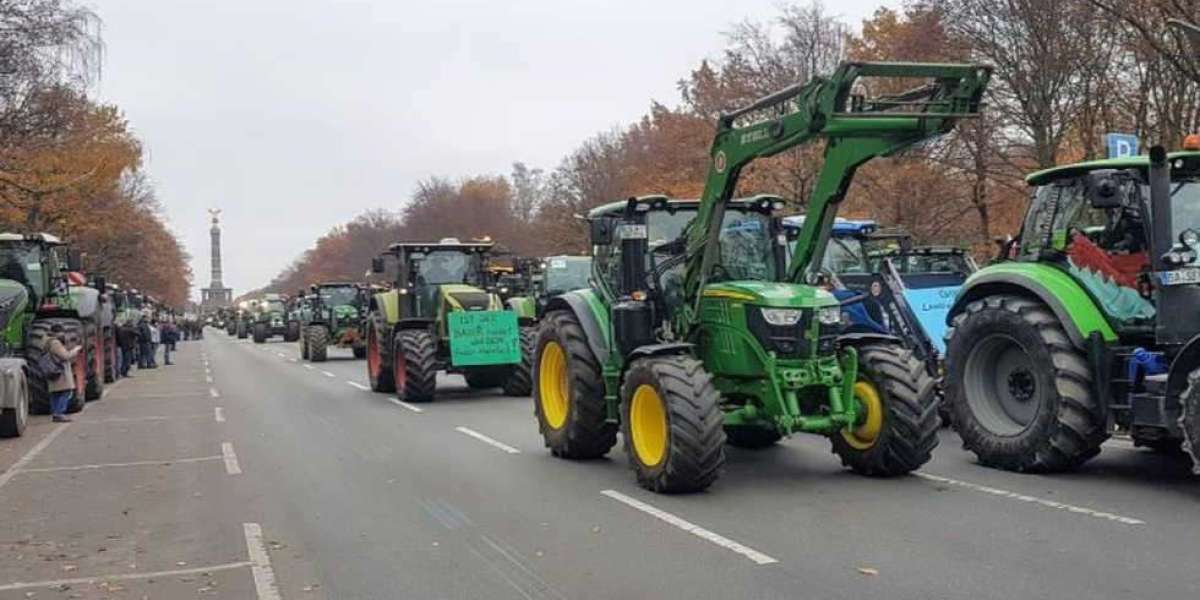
x=1089, y=325
x=439, y=316
x=332, y=314
x=697, y=330
x=548, y=277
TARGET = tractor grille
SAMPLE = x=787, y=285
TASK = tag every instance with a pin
x=790, y=341
x=472, y=300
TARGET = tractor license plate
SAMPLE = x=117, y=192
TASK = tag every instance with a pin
x=484, y=338
x=1188, y=276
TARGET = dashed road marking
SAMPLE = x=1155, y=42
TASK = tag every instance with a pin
x=140, y=463
x=208, y=379
x=328, y=374
x=293, y=360
x=358, y=385
x=487, y=440
x=33, y=452
x=700, y=532
x=219, y=414
x=139, y=419
x=260, y=563
x=309, y=367
x=231, y=462
x=214, y=393
x=403, y=404
x=123, y=577
x=1031, y=499
x=281, y=355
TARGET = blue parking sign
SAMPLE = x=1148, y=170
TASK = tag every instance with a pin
x=1121, y=145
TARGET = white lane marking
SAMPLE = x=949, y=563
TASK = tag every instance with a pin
x=208, y=379
x=231, y=461
x=139, y=419
x=214, y=393
x=260, y=563
x=403, y=404
x=696, y=530
x=487, y=440
x=219, y=414
x=309, y=367
x=34, y=451
x=123, y=577
x=281, y=355
x=1031, y=499
x=358, y=385
x=141, y=463
x=293, y=360
x=328, y=374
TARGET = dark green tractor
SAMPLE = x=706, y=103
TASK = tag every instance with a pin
x=270, y=319
x=333, y=314
x=548, y=277
x=696, y=330
x=440, y=316
x=1091, y=323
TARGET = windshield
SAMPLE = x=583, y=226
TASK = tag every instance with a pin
x=437, y=268
x=273, y=306
x=564, y=274
x=931, y=263
x=22, y=262
x=845, y=255
x=337, y=296
x=1185, y=206
x=745, y=242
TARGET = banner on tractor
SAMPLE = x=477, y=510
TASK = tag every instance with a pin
x=484, y=338
x=931, y=307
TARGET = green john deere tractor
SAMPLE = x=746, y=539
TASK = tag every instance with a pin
x=1091, y=323
x=548, y=277
x=270, y=319
x=438, y=316
x=333, y=315
x=696, y=330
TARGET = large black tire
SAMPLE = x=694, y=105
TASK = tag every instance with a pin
x=260, y=333
x=359, y=351
x=568, y=399
x=14, y=420
x=318, y=343
x=1021, y=394
x=111, y=368
x=379, y=363
x=242, y=332
x=293, y=331
x=751, y=438
x=304, y=347
x=94, y=388
x=672, y=424
x=482, y=378
x=1189, y=419
x=901, y=423
x=415, y=363
x=519, y=380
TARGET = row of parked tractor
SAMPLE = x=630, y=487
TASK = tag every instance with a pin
x=698, y=323
x=42, y=284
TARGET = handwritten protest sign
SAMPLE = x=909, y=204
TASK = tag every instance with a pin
x=484, y=338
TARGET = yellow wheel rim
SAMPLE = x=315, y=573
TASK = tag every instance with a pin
x=864, y=436
x=648, y=425
x=553, y=388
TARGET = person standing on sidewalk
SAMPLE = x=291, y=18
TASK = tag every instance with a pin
x=155, y=340
x=144, y=343
x=62, y=388
x=127, y=338
x=169, y=334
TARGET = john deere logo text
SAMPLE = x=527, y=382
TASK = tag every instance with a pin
x=754, y=136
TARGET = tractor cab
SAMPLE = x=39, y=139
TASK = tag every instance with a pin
x=439, y=277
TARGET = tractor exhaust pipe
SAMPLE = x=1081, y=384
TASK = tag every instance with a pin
x=1159, y=178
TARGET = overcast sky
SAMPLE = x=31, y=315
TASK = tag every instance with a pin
x=293, y=116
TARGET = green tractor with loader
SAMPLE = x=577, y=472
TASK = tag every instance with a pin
x=270, y=319
x=697, y=330
x=439, y=316
x=1089, y=325
x=332, y=315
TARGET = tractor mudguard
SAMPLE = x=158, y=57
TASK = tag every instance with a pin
x=592, y=316
x=660, y=350
x=387, y=304
x=1056, y=289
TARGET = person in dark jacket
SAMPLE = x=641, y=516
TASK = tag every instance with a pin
x=145, y=348
x=62, y=388
x=127, y=339
x=169, y=335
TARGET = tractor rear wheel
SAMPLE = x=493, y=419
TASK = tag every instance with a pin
x=13, y=420
x=900, y=422
x=94, y=388
x=751, y=437
x=241, y=331
x=379, y=371
x=672, y=424
x=1189, y=419
x=318, y=343
x=415, y=364
x=568, y=399
x=110, y=358
x=260, y=333
x=304, y=347
x=519, y=380
x=1020, y=393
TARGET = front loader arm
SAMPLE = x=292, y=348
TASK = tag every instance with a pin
x=857, y=128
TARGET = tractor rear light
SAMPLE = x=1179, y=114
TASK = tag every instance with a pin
x=1191, y=142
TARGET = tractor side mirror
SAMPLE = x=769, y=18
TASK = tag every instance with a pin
x=377, y=264
x=601, y=231
x=74, y=260
x=1104, y=190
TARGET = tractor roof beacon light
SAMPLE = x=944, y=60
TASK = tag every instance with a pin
x=1191, y=142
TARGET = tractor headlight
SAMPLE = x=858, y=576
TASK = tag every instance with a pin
x=830, y=315
x=1190, y=238
x=782, y=317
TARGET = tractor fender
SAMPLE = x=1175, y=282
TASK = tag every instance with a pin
x=665, y=349
x=592, y=316
x=387, y=305
x=1071, y=304
x=1185, y=361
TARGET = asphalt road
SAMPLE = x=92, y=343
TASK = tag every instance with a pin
x=244, y=473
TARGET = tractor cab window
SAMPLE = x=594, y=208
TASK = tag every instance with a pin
x=337, y=296
x=1185, y=206
x=845, y=255
x=273, y=306
x=437, y=268
x=566, y=274
x=23, y=264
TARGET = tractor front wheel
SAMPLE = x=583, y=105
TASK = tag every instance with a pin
x=519, y=380
x=260, y=333
x=568, y=399
x=379, y=371
x=293, y=331
x=318, y=343
x=415, y=364
x=1020, y=393
x=672, y=424
x=1189, y=419
x=898, y=404
x=13, y=420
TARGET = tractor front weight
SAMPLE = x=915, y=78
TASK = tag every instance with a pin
x=780, y=407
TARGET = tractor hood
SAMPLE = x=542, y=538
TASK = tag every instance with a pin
x=467, y=297
x=13, y=299
x=769, y=293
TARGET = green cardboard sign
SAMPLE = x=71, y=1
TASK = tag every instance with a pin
x=484, y=338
